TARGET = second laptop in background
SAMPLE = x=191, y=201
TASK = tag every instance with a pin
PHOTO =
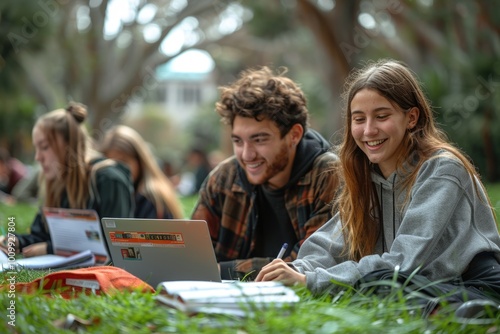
x=76, y=230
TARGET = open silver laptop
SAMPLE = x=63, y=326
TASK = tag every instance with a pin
x=158, y=250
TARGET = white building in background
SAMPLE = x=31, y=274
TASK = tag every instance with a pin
x=184, y=85
x=183, y=93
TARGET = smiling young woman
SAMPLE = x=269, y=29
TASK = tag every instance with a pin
x=412, y=205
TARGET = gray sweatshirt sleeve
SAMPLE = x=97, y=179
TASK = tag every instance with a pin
x=443, y=227
x=319, y=250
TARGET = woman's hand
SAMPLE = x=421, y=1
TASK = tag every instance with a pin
x=3, y=244
x=9, y=244
x=35, y=249
x=278, y=270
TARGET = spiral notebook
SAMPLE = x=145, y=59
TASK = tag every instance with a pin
x=159, y=250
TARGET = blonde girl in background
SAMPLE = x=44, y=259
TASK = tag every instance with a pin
x=155, y=195
x=71, y=178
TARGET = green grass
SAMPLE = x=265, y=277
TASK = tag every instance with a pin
x=494, y=194
x=188, y=204
x=133, y=312
x=21, y=214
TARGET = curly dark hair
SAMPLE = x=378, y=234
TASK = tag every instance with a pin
x=260, y=94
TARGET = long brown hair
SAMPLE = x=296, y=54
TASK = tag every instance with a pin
x=68, y=138
x=357, y=202
x=152, y=183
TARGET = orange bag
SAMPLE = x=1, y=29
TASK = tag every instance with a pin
x=93, y=280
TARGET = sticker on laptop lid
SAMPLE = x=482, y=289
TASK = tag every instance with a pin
x=147, y=239
x=131, y=253
x=110, y=223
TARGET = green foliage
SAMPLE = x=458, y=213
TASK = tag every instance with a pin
x=24, y=28
x=467, y=109
x=16, y=122
x=270, y=19
x=205, y=129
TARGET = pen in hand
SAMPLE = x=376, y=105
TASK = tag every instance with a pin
x=282, y=251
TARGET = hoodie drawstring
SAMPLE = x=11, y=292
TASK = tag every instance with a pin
x=381, y=218
x=393, y=209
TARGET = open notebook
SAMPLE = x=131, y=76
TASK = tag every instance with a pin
x=77, y=241
x=48, y=261
x=158, y=250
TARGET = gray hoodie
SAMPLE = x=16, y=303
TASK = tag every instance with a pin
x=443, y=226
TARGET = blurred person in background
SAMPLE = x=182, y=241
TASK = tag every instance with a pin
x=196, y=171
x=29, y=189
x=71, y=179
x=216, y=157
x=12, y=171
x=155, y=195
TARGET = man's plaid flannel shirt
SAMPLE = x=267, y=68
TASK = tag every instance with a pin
x=227, y=202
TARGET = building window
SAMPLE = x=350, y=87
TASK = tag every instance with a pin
x=189, y=94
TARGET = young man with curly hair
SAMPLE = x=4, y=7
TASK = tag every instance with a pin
x=277, y=187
